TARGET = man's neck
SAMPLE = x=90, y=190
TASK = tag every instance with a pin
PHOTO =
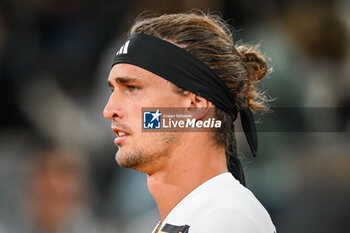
x=188, y=167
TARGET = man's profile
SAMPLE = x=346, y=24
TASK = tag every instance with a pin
x=188, y=61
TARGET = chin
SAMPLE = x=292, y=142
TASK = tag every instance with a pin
x=119, y=158
x=132, y=159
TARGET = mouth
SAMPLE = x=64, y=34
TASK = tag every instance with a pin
x=121, y=135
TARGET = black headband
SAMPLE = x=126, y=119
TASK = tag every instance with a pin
x=178, y=66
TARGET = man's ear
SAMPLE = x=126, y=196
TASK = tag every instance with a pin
x=199, y=107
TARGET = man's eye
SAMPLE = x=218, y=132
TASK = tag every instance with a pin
x=112, y=89
x=132, y=88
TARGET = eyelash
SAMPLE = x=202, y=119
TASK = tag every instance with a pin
x=132, y=88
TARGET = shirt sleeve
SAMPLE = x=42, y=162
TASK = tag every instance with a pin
x=225, y=221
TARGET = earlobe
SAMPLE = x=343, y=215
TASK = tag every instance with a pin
x=201, y=113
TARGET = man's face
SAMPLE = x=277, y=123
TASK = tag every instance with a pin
x=132, y=89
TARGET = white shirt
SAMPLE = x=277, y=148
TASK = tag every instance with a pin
x=219, y=205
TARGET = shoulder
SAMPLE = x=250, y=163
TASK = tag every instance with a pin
x=231, y=207
x=225, y=221
x=221, y=205
x=228, y=194
x=235, y=216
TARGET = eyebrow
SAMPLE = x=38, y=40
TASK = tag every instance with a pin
x=123, y=80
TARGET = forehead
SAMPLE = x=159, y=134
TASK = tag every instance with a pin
x=123, y=70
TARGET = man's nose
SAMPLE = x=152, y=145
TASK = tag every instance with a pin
x=113, y=108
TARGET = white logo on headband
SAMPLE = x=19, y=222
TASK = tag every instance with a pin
x=124, y=48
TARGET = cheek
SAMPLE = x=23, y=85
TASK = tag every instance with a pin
x=149, y=141
x=134, y=120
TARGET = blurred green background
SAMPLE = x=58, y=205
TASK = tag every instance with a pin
x=57, y=168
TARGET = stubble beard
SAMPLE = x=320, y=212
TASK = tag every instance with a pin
x=143, y=161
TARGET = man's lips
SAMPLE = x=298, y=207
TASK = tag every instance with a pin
x=121, y=135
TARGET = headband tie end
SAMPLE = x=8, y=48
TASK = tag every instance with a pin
x=249, y=129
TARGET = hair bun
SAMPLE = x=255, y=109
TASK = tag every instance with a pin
x=255, y=61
